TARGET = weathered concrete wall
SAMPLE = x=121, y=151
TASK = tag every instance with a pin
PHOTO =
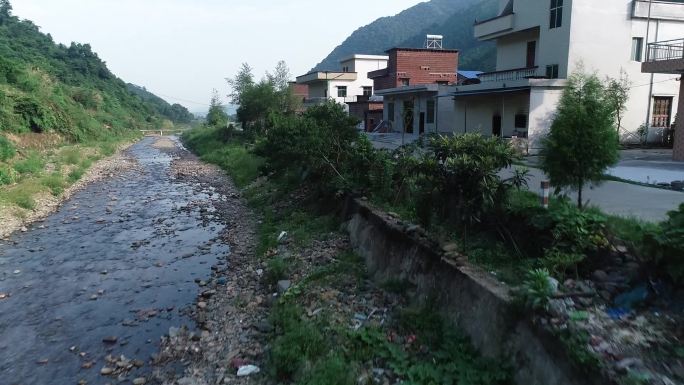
x=466, y=296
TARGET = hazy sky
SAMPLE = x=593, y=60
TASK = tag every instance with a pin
x=181, y=49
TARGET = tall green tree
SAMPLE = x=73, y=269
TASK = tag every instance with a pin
x=217, y=116
x=583, y=141
x=5, y=11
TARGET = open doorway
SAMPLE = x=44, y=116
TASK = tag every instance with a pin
x=496, y=125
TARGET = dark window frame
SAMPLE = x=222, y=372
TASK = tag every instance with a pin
x=637, y=49
x=341, y=91
x=556, y=14
x=552, y=71
x=431, y=107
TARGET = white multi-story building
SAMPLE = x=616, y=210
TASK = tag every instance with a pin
x=345, y=85
x=540, y=42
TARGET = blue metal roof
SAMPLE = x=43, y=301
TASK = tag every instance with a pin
x=469, y=74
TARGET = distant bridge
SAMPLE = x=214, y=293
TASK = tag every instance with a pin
x=172, y=131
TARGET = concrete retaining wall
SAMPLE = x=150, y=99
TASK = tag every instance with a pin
x=466, y=296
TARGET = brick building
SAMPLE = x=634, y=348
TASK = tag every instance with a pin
x=416, y=66
x=411, y=86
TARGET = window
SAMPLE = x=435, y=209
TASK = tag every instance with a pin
x=637, y=48
x=430, y=112
x=367, y=91
x=521, y=121
x=556, y=14
x=390, y=112
x=341, y=91
x=405, y=82
x=662, y=111
x=552, y=71
x=345, y=69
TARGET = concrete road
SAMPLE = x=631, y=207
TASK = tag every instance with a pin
x=622, y=199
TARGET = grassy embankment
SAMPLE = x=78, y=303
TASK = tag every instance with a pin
x=43, y=164
x=324, y=350
x=61, y=109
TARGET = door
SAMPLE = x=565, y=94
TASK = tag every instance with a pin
x=422, y=123
x=496, y=125
x=408, y=117
x=662, y=111
x=531, y=54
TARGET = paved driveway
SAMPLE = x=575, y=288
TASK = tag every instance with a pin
x=622, y=199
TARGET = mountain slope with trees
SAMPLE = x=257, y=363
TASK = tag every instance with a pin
x=68, y=90
x=175, y=112
x=452, y=18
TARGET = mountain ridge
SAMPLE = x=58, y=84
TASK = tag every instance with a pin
x=452, y=18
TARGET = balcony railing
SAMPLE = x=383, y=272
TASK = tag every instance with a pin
x=508, y=75
x=666, y=50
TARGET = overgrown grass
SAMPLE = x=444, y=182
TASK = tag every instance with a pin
x=22, y=195
x=70, y=155
x=7, y=149
x=233, y=156
x=55, y=182
x=32, y=165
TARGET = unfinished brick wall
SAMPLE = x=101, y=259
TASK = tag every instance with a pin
x=419, y=66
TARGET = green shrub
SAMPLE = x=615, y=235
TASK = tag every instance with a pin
x=7, y=149
x=559, y=262
x=536, y=289
x=299, y=342
x=666, y=245
x=55, y=182
x=317, y=146
x=71, y=155
x=76, y=174
x=21, y=195
x=458, y=177
x=107, y=148
x=7, y=175
x=32, y=165
x=276, y=270
x=332, y=370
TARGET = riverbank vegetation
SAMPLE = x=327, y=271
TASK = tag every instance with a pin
x=61, y=109
x=452, y=188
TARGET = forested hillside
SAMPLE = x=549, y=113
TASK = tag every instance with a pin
x=176, y=112
x=49, y=87
x=452, y=18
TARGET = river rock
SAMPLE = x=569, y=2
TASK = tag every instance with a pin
x=110, y=339
x=247, y=370
x=202, y=305
x=283, y=286
x=600, y=276
x=106, y=371
x=139, y=381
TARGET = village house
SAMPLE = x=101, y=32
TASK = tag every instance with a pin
x=540, y=43
x=411, y=84
x=345, y=85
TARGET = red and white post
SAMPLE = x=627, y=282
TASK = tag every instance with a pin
x=546, y=193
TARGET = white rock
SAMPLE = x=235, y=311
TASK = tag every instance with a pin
x=247, y=370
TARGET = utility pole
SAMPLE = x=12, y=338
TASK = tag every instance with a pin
x=650, y=92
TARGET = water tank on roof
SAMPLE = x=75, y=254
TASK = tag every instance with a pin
x=434, y=42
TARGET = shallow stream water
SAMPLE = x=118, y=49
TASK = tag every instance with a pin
x=120, y=258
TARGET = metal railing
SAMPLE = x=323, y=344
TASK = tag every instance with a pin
x=666, y=50
x=516, y=74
